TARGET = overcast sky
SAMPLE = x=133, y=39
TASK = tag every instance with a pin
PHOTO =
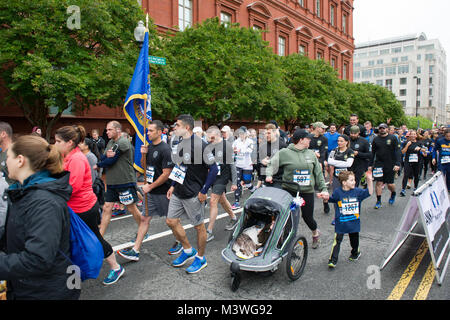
x=380, y=19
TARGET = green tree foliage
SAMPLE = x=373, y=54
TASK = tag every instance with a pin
x=47, y=64
x=220, y=70
x=414, y=122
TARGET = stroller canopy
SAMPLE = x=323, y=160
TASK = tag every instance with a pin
x=268, y=201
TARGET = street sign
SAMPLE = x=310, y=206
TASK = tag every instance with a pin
x=157, y=60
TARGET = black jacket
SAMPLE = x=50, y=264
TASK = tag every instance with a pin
x=37, y=231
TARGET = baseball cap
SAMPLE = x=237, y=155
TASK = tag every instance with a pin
x=197, y=129
x=319, y=124
x=354, y=129
x=383, y=125
x=301, y=134
x=226, y=128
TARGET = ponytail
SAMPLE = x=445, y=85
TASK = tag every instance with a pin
x=76, y=133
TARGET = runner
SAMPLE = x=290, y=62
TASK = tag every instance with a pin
x=361, y=150
x=319, y=144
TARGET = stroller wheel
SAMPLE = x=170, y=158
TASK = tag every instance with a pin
x=235, y=281
x=296, y=258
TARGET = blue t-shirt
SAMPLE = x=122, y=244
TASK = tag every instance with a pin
x=332, y=140
x=348, y=209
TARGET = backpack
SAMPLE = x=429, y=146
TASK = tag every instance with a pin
x=85, y=249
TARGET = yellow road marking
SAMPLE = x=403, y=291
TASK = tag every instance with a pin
x=407, y=275
x=425, y=284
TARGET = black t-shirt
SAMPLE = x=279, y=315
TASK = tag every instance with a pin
x=189, y=159
x=385, y=151
x=268, y=149
x=411, y=156
x=320, y=144
x=159, y=157
x=223, y=154
x=363, y=157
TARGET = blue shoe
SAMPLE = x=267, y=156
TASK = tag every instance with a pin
x=181, y=260
x=129, y=254
x=118, y=213
x=176, y=248
x=197, y=265
x=392, y=199
x=377, y=205
x=113, y=276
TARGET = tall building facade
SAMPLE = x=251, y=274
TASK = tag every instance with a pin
x=413, y=67
x=319, y=29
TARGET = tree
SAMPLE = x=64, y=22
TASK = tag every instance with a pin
x=217, y=71
x=49, y=62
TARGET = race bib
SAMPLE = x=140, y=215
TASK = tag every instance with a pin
x=337, y=171
x=445, y=159
x=150, y=173
x=351, y=206
x=413, y=157
x=218, y=168
x=126, y=197
x=178, y=174
x=302, y=177
x=377, y=172
x=240, y=156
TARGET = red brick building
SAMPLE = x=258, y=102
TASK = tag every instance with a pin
x=319, y=29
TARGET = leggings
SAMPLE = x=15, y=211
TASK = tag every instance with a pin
x=411, y=171
x=338, y=237
x=307, y=209
x=246, y=176
x=90, y=217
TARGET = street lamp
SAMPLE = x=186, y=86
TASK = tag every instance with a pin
x=139, y=33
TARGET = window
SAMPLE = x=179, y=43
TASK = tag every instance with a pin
x=344, y=23
x=430, y=92
x=184, y=14
x=256, y=27
x=388, y=84
x=431, y=69
x=430, y=80
x=396, y=50
x=380, y=61
x=419, y=57
x=390, y=71
x=371, y=63
x=403, y=69
x=394, y=60
x=379, y=72
x=373, y=53
x=379, y=82
x=333, y=63
x=281, y=46
x=429, y=56
x=418, y=81
x=302, y=50
x=403, y=102
x=357, y=74
x=344, y=71
x=402, y=92
x=419, y=70
x=357, y=64
x=332, y=15
x=319, y=55
x=318, y=8
x=403, y=59
x=408, y=48
x=367, y=74
x=418, y=92
x=225, y=19
x=362, y=55
x=384, y=51
x=403, y=80
x=430, y=103
x=301, y=3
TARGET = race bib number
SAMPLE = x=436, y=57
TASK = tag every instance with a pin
x=126, y=197
x=414, y=157
x=150, y=173
x=377, y=172
x=337, y=171
x=178, y=174
x=240, y=156
x=302, y=177
x=350, y=207
x=445, y=159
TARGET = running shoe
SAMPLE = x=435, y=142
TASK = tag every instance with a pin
x=210, y=236
x=176, y=248
x=197, y=265
x=145, y=238
x=113, y=276
x=403, y=193
x=316, y=241
x=231, y=224
x=118, y=213
x=326, y=207
x=129, y=254
x=332, y=264
x=181, y=260
x=354, y=257
x=392, y=199
x=377, y=205
x=235, y=206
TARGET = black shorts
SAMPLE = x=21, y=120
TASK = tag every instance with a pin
x=388, y=175
x=126, y=196
x=219, y=189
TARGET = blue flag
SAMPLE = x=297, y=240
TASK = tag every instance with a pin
x=139, y=96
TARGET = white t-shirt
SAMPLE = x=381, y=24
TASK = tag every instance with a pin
x=243, y=153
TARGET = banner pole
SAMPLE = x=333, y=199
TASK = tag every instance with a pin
x=144, y=155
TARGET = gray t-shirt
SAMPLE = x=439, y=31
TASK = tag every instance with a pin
x=122, y=171
x=4, y=168
x=92, y=159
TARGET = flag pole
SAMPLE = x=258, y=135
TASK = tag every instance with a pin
x=145, y=136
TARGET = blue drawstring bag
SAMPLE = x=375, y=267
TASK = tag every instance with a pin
x=85, y=249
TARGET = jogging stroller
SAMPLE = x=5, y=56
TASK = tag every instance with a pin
x=275, y=208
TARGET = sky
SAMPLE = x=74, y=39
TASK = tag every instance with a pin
x=380, y=19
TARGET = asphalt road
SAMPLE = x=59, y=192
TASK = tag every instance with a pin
x=153, y=278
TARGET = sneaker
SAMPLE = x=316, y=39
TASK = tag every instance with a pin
x=392, y=199
x=315, y=241
x=231, y=224
x=235, y=206
x=333, y=222
x=377, y=205
x=331, y=264
x=354, y=257
x=145, y=238
x=118, y=213
x=210, y=236
x=181, y=260
x=176, y=248
x=403, y=193
x=129, y=254
x=326, y=207
x=113, y=276
x=197, y=265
